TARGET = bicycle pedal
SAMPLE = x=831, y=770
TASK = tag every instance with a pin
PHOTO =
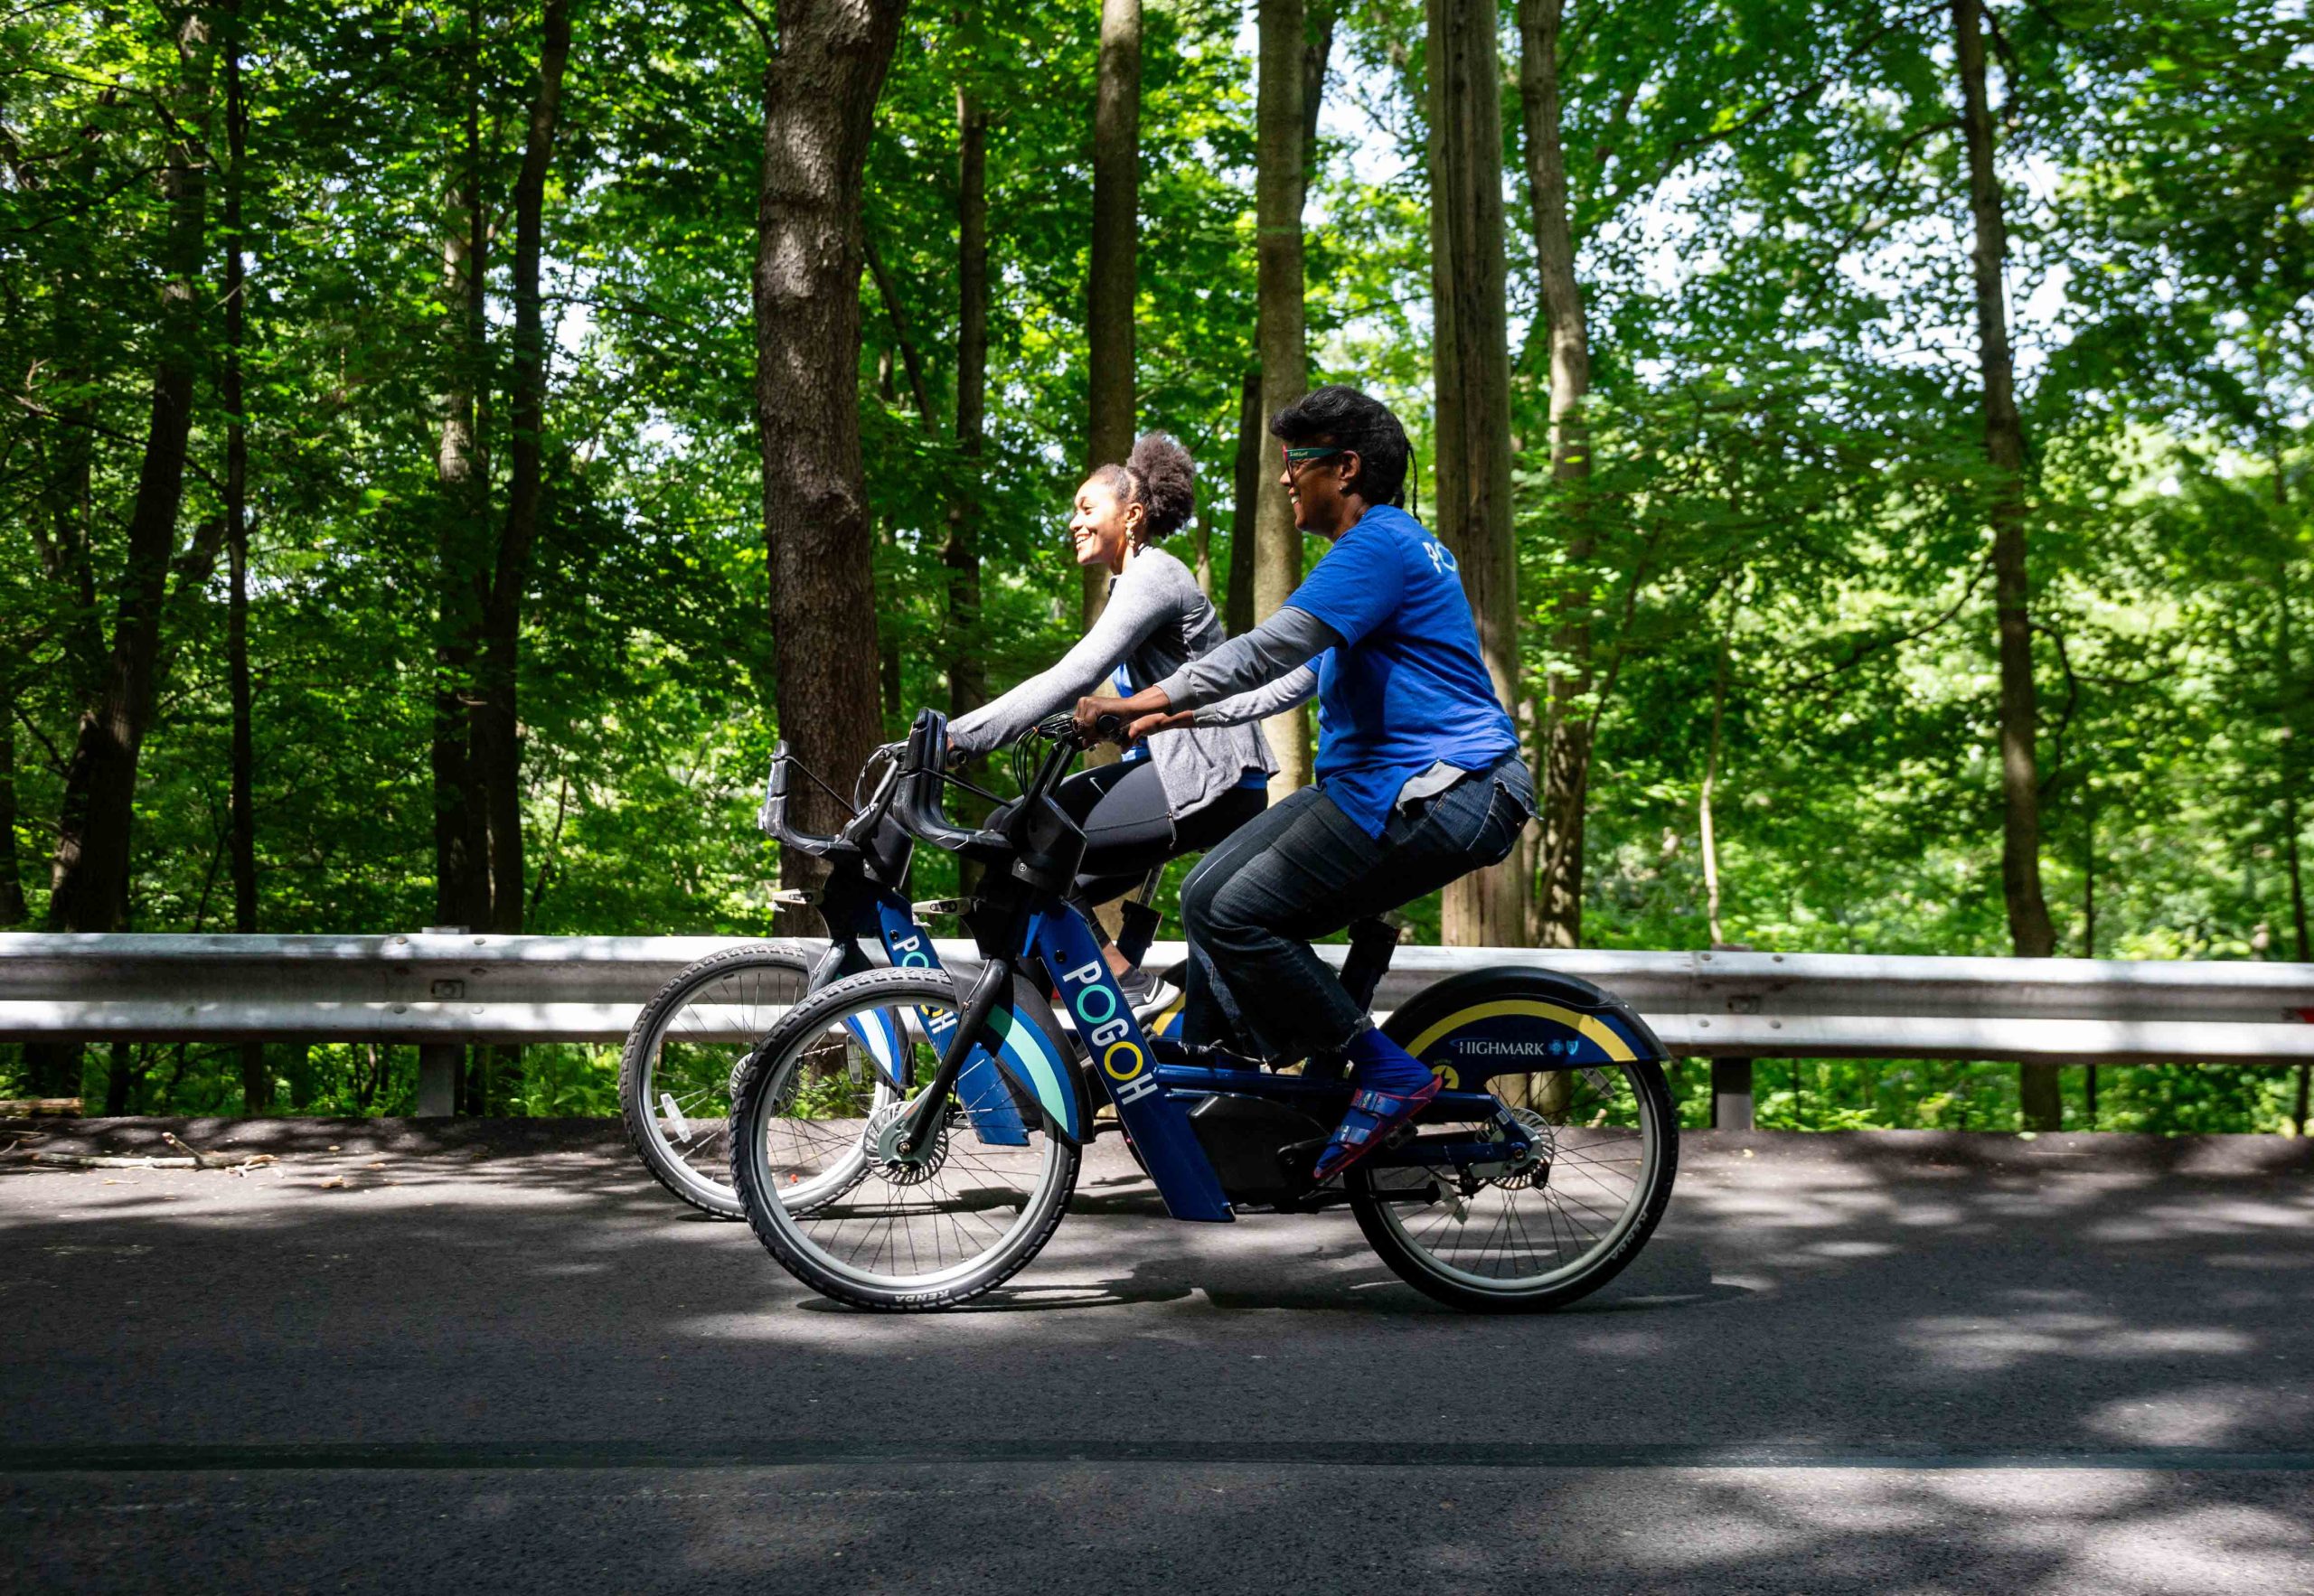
x=797, y=897
x=944, y=905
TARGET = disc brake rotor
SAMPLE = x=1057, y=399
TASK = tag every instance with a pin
x=881, y=1141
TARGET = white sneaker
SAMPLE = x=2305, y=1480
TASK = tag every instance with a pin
x=1152, y=996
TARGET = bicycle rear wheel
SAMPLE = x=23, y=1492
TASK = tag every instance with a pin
x=1536, y=1232
x=894, y=1231
x=675, y=1083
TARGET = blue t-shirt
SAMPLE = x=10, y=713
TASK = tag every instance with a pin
x=1408, y=687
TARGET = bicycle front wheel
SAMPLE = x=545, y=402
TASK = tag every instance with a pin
x=898, y=1231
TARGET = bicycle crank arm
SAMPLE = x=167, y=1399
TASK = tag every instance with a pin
x=1430, y=1151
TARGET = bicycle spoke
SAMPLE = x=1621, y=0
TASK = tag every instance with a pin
x=934, y=1215
x=1524, y=1226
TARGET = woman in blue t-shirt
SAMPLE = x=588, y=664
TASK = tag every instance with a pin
x=1419, y=777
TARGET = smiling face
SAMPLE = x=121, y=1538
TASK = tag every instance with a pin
x=1102, y=529
x=1318, y=490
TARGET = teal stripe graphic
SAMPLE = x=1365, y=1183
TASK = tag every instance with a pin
x=1022, y=1045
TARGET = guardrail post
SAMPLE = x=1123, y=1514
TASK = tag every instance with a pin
x=2039, y=1104
x=440, y=1064
x=1731, y=1094
x=437, y=1079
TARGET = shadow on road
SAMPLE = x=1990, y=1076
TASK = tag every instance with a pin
x=458, y=1291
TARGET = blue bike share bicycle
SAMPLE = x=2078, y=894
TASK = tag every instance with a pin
x=676, y=1067
x=906, y=1139
x=675, y=1070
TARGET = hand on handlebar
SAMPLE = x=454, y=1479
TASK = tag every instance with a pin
x=1123, y=721
x=1100, y=720
x=1149, y=724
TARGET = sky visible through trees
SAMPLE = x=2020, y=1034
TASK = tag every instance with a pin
x=512, y=646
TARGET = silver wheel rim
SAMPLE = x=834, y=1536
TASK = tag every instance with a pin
x=1600, y=1177
x=717, y=1023
x=898, y=1230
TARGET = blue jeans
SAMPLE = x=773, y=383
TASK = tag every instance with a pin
x=1303, y=869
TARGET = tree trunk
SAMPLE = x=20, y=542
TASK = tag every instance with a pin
x=89, y=878
x=256, y=1081
x=1317, y=52
x=2286, y=694
x=13, y=910
x=2030, y=933
x=1703, y=803
x=2285, y=679
x=1472, y=361
x=2029, y=914
x=967, y=675
x=496, y=716
x=1281, y=186
x=2088, y=871
x=121, y=1079
x=1237, y=603
x=461, y=825
x=820, y=79
x=1566, y=733
x=1116, y=202
x=889, y=620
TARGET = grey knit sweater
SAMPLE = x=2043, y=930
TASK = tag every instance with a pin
x=1156, y=621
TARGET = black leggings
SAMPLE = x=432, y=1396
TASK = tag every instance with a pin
x=1128, y=832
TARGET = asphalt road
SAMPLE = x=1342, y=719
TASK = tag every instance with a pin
x=496, y=1358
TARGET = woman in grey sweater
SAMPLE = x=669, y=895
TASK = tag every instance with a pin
x=1176, y=792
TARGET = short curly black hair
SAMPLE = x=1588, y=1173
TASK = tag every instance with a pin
x=1350, y=419
x=1160, y=476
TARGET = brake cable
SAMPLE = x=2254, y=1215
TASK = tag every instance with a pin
x=823, y=787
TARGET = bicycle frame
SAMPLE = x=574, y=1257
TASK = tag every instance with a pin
x=859, y=909
x=863, y=910
x=1025, y=922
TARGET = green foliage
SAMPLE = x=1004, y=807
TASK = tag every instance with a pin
x=1786, y=518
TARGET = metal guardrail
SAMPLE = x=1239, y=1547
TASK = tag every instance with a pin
x=441, y=987
x=443, y=990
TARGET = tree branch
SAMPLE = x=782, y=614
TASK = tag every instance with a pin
x=58, y=764
x=1866, y=651
x=101, y=430
x=2071, y=703
x=763, y=30
x=1680, y=151
x=898, y=318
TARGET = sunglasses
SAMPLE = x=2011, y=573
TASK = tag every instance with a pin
x=1302, y=456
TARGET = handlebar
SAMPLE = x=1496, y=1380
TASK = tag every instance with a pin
x=1063, y=729
x=918, y=806
x=855, y=833
x=771, y=820
x=908, y=793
